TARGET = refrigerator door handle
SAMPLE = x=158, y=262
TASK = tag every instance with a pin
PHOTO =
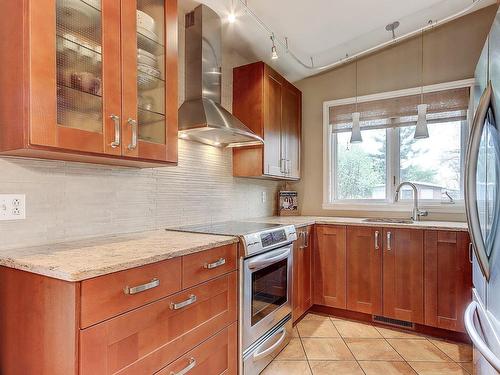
x=476, y=337
x=471, y=178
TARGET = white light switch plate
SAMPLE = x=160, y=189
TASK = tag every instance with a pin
x=12, y=206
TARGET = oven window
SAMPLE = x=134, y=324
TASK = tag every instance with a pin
x=268, y=290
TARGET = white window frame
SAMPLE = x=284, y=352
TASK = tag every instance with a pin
x=392, y=162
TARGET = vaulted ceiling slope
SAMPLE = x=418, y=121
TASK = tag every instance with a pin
x=326, y=31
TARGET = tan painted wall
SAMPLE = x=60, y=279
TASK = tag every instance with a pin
x=451, y=52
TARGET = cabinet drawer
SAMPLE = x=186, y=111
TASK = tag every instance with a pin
x=206, y=265
x=106, y=296
x=147, y=339
x=217, y=355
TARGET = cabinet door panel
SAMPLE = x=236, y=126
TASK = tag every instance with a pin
x=302, y=282
x=74, y=53
x=403, y=275
x=330, y=266
x=364, y=270
x=273, y=91
x=448, y=279
x=149, y=122
x=291, y=120
x=306, y=279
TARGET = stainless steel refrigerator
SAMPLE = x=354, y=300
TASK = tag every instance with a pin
x=482, y=198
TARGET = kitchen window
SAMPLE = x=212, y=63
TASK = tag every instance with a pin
x=366, y=174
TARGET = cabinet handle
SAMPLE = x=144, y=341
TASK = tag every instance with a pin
x=180, y=305
x=389, y=237
x=185, y=370
x=470, y=253
x=133, y=124
x=141, y=288
x=376, y=240
x=282, y=168
x=302, y=240
x=116, y=120
x=218, y=263
x=306, y=239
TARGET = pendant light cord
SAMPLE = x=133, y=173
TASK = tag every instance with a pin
x=356, y=86
x=422, y=72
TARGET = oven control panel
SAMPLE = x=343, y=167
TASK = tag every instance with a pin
x=272, y=238
x=265, y=240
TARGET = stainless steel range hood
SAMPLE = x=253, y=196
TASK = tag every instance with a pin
x=201, y=116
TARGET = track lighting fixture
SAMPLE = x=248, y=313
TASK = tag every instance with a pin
x=274, y=52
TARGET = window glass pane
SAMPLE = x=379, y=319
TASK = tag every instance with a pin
x=361, y=167
x=433, y=164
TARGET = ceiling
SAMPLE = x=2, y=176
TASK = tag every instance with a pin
x=326, y=30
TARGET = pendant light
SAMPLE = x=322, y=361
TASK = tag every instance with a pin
x=421, y=130
x=356, y=129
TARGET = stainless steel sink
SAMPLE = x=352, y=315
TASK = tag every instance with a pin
x=388, y=220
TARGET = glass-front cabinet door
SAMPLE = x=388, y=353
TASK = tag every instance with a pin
x=103, y=77
x=148, y=105
x=75, y=75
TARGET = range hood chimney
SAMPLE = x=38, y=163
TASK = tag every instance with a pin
x=201, y=116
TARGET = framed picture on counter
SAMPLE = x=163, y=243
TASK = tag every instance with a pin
x=288, y=204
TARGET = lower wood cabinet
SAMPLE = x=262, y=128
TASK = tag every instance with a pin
x=141, y=320
x=144, y=340
x=302, y=268
x=403, y=274
x=448, y=279
x=330, y=266
x=415, y=275
x=364, y=270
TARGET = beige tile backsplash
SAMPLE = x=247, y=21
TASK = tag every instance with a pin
x=67, y=200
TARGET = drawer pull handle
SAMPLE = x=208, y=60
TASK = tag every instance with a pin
x=180, y=305
x=389, y=242
x=376, y=240
x=215, y=264
x=141, y=288
x=185, y=370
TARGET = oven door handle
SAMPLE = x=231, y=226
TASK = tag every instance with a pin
x=258, y=354
x=261, y=263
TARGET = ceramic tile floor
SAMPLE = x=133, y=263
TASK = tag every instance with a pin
x=326, y=345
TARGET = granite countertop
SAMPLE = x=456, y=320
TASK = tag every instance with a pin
x=301, y=221
x=84, y=259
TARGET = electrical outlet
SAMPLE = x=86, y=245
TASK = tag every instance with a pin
x=12, y=207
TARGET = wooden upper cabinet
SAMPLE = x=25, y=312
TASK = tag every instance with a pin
x=90, y=82
x=330, y=266
x=403, y=276
x=448, y=279
x=291, y=120
x=364, y=269
x=271, y=107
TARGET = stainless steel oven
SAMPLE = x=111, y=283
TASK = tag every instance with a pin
x=266, y=292
x=265, y=311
